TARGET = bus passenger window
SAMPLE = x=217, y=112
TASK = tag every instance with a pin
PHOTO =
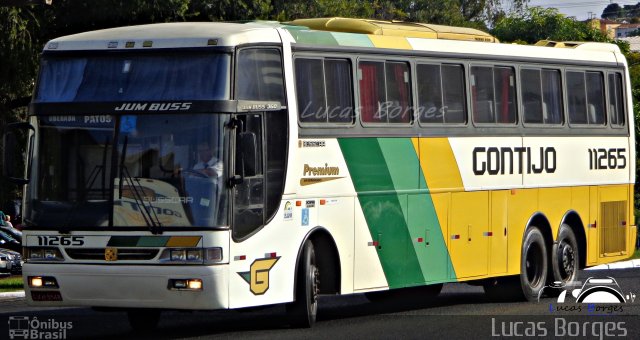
x=505, y=95
x=323, y=89
x=372, y=94
x=482, y=94
x=551, y=96
x=338, y=89
x=595, y=98
x=616, y=104
x=398, y=93
x=541, y=96
x=577, y=97
x=430, y=108
x=531, y=88
x=385, y=92
x=453, y=90
x=310, y=90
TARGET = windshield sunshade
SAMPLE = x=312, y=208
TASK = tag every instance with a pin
x=194, y=76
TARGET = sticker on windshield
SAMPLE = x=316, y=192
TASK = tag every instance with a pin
x=128, y=124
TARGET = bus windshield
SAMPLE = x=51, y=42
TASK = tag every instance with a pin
x=134, y=77
x=143, y=170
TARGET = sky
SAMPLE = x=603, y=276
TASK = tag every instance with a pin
x=580, y=8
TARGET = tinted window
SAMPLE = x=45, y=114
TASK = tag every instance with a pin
x=325, y=98
x=616, y=104
x=552, y=97
x=586, y=97
x=441, y=94
x=259, y=75
x=310, y=90
x=384, y=92
x=455, y=108
x=576, y=91
x=482, y=95
x=541, y=96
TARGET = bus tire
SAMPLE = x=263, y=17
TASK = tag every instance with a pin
x=143, y=320
x=533, y=264
x=565, y=259
x=303, y=311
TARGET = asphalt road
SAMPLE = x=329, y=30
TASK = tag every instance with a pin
x=461, y=311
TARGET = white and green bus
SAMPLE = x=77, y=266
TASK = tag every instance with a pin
x=230, y=165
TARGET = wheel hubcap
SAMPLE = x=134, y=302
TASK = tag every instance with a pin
x=566, y=257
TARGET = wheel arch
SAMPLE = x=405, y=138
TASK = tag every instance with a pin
x=328, y=263
x=540, y=221
x=573, y=220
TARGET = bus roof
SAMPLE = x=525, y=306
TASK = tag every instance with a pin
x=329, y=32
x=395, y=28
x=169, y=35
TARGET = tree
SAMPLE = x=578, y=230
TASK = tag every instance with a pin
x=538, y=23
x=613, y=11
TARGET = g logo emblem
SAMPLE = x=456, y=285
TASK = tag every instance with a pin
x=111, y=254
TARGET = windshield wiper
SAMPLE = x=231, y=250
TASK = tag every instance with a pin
x=150, y=217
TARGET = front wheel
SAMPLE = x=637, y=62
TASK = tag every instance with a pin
x=302, y=312
x=564, y=257
x=533, y=264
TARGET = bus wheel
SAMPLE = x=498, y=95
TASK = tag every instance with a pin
x=143, y=320
x=564, y=257
x=302, y=312
x=533, y=265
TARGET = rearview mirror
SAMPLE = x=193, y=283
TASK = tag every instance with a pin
x=13, y=158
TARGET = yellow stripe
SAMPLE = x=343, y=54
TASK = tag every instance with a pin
x=439, y=164
x=390, y=42
x=183, y=241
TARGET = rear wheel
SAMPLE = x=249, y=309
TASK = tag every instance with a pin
x=143, y=320
x=302, y=312
x=533, y=264
x=565, y=256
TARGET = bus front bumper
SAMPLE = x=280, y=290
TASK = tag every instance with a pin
x=128, y=286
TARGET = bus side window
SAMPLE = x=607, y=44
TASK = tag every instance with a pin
x=595, y=98
x=325, y=97
x=616, y=104
x=577, y=97
x=259, y=75
x=482, y=94
x=531, y=88
x=552, y=97
x=310, y=90
x=429, y=94
x=385, y=92
x=453, y=91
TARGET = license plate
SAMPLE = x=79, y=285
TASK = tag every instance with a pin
x=46, y=296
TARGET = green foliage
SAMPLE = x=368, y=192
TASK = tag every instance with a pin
x=539, y=23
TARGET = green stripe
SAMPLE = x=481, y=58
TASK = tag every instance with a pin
x=313, y=37
x=384, y=212
x=153, y=241
x=398, y=214
x=350, y=39
x=123, y=241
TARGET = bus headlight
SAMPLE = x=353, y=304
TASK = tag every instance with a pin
x=192, y=255
x=41, y=254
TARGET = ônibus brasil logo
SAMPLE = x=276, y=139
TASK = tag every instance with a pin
x=24, y=327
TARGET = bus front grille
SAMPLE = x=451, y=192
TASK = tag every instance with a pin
x=123, y=254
